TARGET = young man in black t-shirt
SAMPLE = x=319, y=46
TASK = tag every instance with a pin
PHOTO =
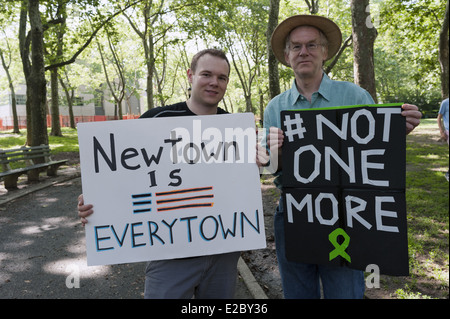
x=205, y=276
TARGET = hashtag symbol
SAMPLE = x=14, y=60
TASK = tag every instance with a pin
x=290, y=123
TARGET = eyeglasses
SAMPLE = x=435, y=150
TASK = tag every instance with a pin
x=310, y=47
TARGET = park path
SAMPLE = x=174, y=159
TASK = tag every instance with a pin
x=42, y=251
x=42, y=247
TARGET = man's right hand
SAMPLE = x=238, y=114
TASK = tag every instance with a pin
x=84, y=210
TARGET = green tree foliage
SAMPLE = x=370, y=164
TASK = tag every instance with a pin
x=407, y=52
x=154, y=41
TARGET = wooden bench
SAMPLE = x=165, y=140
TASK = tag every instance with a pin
x=36, y=158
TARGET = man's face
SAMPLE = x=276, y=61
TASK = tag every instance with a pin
x=210, y=80
x=306, y=63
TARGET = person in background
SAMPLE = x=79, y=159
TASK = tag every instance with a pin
x=442, y=120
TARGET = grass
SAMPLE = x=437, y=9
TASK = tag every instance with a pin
x=427, y=197
x=67, y=143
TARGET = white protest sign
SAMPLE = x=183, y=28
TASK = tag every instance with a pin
x=171, y=187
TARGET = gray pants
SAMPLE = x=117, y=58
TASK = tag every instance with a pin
x=205, y=277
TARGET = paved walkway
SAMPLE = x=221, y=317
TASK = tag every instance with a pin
x=42, y=249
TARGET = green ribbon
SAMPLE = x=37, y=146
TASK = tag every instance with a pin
x=339, y=248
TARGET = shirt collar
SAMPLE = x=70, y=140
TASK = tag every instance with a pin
x=294, y=94
x=324, y=90
x=325, y=87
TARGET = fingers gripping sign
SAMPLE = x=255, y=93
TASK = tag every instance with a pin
x=268, y=150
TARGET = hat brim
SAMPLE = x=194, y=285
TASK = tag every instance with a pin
x=328, y=27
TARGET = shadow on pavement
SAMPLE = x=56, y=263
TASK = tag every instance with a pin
x=42, y=252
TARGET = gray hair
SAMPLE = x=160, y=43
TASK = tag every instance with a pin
x=323, y=39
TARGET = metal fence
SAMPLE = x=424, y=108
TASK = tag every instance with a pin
x=7, y=123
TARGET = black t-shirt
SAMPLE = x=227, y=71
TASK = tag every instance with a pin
x=178, y=109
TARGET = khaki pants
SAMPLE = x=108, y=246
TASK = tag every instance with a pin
x=205, y=277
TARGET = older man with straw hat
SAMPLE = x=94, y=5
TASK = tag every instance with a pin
x=304, y=43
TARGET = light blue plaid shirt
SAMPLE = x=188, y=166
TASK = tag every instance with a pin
x=331, y=93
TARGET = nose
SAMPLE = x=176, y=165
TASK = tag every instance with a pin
x=214, y=81
x=303, y=51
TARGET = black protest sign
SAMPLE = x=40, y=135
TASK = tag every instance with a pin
x=344, y=187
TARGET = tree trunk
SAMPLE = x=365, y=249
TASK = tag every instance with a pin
x=13, y=93
x=150, y=65
x=37, y=80
x=56, y=125
x=24, y=44
x=60, y=30
x=69, y=97
x=443, y=54
x=274, y=78
x=313, y=6
x=364, y=35
x=16, y=128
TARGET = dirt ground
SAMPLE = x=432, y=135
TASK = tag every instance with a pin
x=263, y=262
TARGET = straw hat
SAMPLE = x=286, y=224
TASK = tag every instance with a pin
x=328, y=27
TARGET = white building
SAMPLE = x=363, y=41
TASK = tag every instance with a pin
x=87, y=107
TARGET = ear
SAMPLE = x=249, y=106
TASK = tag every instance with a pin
x=286, y=58
x=190, y=74
x=325, y=54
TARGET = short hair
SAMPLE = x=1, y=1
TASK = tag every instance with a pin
x=214, y=52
